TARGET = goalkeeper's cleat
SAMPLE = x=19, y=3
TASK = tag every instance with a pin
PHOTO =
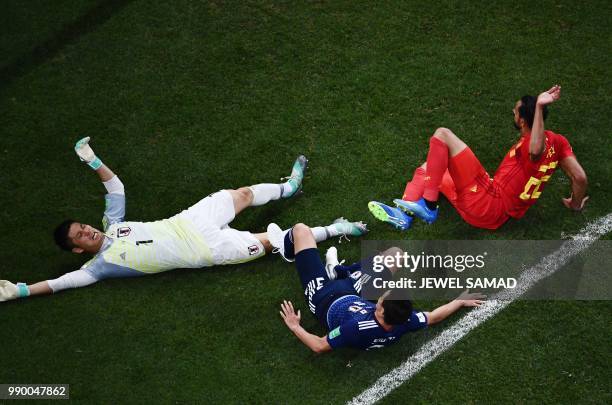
x=391, y=215
x=297, y=176
x=277, y=238
x=331, y=261
x=345, y=227
x=418, y=209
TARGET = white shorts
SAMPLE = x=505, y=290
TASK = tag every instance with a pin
x=211, y=217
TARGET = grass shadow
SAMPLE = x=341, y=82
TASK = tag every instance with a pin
x=69, y=33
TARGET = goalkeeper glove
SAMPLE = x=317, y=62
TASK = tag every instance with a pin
x=86, y=154
x=10, y=291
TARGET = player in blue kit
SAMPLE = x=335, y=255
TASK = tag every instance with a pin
x=333, y=295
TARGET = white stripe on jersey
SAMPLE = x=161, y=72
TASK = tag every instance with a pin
x=367, y=325
x=362, y=280
x=366, y=322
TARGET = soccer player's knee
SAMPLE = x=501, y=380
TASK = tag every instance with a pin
x=245, y=194
x=442, y=133
x=301, y=231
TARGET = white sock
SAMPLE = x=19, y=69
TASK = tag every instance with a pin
x=262, y=193
x=287, y=188
x=322, y=233
x=319, y=233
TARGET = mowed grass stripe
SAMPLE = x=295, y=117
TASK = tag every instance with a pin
x=435, y=347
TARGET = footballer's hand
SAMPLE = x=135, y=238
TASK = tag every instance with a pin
x=550, y=96
x=291, y=318
x=86, y=154
x=8, y=291
x=568, y=202
x=471, y=299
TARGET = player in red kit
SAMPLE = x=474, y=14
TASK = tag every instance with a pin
x=482, y=201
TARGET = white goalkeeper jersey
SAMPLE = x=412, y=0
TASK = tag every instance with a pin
x=138, y=248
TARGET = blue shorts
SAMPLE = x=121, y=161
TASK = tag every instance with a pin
x=319, y=290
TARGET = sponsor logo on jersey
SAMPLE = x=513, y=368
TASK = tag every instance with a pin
x=122, y=256
x=334, y=333
x=253, y=250
x=123, y=231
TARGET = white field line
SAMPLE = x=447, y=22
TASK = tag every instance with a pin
x=432, y=349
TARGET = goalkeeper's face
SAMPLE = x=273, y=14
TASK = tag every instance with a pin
x=85, y=238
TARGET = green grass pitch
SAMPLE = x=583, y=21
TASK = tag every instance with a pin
x=182, y=98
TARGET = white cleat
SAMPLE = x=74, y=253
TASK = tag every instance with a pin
x=276, y=236
x=331, y=261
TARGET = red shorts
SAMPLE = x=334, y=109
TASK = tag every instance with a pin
x=471, y=191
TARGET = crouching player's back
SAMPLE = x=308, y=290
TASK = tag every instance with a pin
x=332, y=293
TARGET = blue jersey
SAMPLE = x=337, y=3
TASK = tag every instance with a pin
x=352, y=323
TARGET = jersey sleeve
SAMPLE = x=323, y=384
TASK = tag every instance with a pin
x=564, y=147
x=114, y=211
x=74, y=279
x=344, y=335
x=418, y=320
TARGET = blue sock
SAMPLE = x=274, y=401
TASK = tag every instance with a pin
x=289, y=246
x=346, y=271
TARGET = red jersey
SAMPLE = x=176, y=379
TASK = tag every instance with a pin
x=521, y=180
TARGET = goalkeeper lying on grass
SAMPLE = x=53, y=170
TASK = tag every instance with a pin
x=197, y=237
x=333, y=295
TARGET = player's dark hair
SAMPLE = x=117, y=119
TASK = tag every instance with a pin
x=527, y=109
x=60, y=234
x=396, y=311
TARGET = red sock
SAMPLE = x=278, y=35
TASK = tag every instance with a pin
x=414, y=188
x=437, y=163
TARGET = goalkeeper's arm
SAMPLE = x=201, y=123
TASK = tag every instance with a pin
x=87, y=155
x=75, y=279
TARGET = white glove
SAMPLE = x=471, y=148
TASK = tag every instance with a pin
x=8, y=291
x=86, y=154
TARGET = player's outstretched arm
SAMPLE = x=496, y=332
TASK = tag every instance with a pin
x=292, y=320
x=578, y=177
x=537, y=144
x=10, y=291
x=87, y=155
x=464, y=300
x=75, y=279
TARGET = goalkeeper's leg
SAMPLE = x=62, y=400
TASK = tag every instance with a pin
x=261, y=194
